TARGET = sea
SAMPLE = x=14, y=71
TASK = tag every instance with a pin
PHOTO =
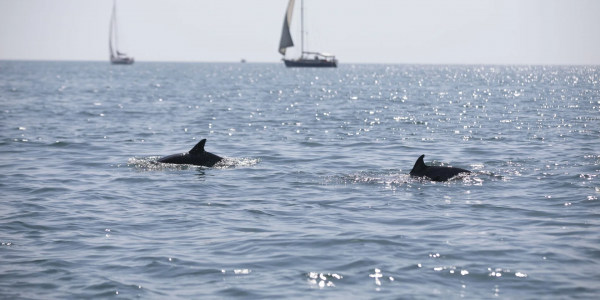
x=313, y=198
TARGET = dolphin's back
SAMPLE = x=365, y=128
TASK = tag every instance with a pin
x=197, y=156
x=174, y=159
x=443, y=173
x=207, y=159
x=434, y=173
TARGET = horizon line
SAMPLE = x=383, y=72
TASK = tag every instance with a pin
x=276, y=62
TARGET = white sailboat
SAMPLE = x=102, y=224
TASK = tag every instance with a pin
x=307, y=59
x=116, y=57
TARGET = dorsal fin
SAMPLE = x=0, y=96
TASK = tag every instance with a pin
x=199, y=148
x=419, y=164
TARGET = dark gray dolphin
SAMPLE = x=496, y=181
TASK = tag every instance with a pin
x=434, y=173
x=197, y=156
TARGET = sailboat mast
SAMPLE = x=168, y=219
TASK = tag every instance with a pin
x=302, y=26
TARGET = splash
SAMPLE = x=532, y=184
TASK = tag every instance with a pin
x=372, y=178
x=392, y=180
x=148, y=164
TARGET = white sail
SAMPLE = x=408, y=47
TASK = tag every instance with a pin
x=111, y=30
x=286, y=36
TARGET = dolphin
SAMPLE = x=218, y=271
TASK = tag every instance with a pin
x=435, y=173
x=197, y=156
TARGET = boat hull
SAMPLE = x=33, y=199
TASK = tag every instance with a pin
x=310, y=63
x=122, y=61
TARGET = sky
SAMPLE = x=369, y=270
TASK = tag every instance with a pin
x=523, y=32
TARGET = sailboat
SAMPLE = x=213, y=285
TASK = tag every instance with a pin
x=116, y=57
x=307, y=59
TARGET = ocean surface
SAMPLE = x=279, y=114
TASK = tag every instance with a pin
x=313, y=199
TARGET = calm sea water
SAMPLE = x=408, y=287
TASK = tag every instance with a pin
x=314, y=199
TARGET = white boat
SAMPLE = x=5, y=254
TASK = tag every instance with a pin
x=307, y=58
x=116, y=57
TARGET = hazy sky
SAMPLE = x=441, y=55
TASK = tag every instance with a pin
x=356, y=31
